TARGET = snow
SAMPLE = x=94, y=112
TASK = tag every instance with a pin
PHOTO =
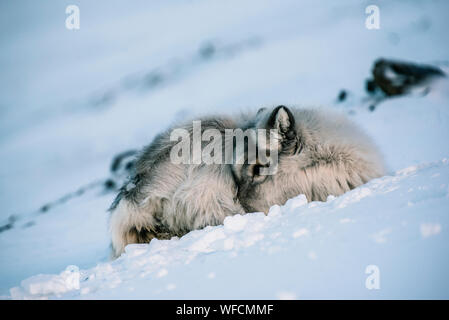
x=430, y=229
x=248, y=250
x=40, y=285
x=72, y=100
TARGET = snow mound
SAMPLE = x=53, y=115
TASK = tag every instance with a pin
x=42, y=285
x=300, y=250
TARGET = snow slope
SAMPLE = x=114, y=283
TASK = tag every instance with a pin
x=70, y=101
x=300, y=250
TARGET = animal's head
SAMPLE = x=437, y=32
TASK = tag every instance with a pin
x=275, y=136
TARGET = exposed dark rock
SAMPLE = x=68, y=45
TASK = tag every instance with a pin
x=109, y=184
x=370, y=86
x=10, y=224
x=153, y=79
x=6, y=227
x=118, y=160
x=29, y=224
x=207, y=51
x=399, y=77
x=342, y=96
x=103, y=99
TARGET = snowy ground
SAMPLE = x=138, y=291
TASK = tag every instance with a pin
x=71, y=100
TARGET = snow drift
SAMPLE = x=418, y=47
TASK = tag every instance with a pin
x=301, y=250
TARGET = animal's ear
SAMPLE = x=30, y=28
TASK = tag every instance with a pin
x=282, y=119
x=260, y=111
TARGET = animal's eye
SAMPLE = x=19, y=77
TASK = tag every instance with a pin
x=257, y=169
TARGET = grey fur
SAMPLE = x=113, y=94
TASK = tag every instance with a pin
x=320, y=154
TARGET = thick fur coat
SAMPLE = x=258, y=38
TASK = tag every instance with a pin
x=320, y=153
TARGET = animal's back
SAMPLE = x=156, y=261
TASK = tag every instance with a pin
x=331, y=137
x=336, y=156
x=165, y=199
x=332, y=156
